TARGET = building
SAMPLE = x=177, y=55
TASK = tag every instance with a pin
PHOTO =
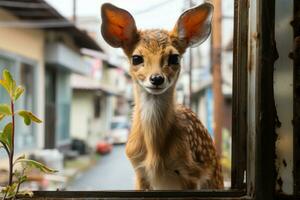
x=41, y=49
x=97, y=99
x=92, y=108
x=105, y=93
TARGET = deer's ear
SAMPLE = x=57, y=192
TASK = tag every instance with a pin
x=194, y=25
x=118, y=26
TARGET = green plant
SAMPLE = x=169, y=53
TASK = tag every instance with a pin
x=15, y=176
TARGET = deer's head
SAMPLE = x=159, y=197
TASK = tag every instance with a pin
x=155, y=55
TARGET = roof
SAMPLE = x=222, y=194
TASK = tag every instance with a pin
x=79, y=82
x=40, y=13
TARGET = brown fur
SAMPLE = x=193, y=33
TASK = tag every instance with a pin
x=175, y=144
x=168, y=146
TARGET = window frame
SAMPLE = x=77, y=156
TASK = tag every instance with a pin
x=260, y=182
x=18, y=60
x=296, y=107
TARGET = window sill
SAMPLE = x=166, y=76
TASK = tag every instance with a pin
x=123, y=194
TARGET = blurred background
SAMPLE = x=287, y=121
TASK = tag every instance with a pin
x=80, y=87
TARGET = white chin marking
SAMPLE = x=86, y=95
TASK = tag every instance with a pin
x=155, y=91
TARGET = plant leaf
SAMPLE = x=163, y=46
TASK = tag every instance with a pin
x=11, y=83
x=5, y=109
x=7, y=76
x=34, y=118
x=2, y=116
x=11, y=190
x=22, y=179
x=28, y=117
x=5, y=137
x=18, y=92
x=20, y=157
x=25, y=193
x=37, y=165
x=4, y=85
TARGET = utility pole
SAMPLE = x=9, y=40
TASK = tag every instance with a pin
x=190, y=67
x=190, y=77
x=216, y=43
x=74, y=11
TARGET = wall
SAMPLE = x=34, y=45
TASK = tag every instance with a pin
x=25, y=42
x=28, y=43
x=83, y=123
x=81, y=112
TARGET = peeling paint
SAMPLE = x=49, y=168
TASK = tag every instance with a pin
x=283, y=93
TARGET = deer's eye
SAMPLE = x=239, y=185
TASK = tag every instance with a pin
x=136, y=60
x=173, y=59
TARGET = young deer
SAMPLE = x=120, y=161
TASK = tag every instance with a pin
x=168, y=146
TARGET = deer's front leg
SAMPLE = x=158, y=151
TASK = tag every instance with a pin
x=141, y=182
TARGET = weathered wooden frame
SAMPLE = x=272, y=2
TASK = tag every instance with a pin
x=295, y=55
x=261, y=178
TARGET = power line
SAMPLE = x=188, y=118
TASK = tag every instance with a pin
x=150, y=8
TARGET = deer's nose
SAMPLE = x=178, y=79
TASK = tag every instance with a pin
x=156, y=79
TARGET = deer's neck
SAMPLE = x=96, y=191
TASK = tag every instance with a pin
x=155, y=114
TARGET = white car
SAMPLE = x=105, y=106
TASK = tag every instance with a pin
x=119, y=130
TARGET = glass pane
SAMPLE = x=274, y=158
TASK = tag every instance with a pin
x=88, y=118
x=107, y=134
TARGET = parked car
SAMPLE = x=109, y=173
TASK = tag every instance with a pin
x=104, y=146
x=119, y=130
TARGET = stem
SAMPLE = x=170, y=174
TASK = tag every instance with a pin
x=19, y=183
x=4, y=197
x=5, y=147
x=17, y=191
x=11, y=155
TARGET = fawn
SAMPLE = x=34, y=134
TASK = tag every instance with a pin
x=168, y=146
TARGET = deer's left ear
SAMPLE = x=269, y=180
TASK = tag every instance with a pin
x=194, y=25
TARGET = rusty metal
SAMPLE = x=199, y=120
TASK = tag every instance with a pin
x=239, y=99
x=283, y=95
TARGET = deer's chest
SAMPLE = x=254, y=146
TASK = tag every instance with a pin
x=164, y=178
x=162, y=174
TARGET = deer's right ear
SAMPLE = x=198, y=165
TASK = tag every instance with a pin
x=118, y=26
x=194, y=25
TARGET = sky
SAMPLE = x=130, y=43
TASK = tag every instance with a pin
x=148, y=14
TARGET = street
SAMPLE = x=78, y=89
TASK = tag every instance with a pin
x=112, y=172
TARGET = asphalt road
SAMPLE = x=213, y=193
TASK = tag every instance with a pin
x=112, y=172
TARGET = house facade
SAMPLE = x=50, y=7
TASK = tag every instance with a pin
x=22, y=53
x=42, y=57
x=97, y=100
